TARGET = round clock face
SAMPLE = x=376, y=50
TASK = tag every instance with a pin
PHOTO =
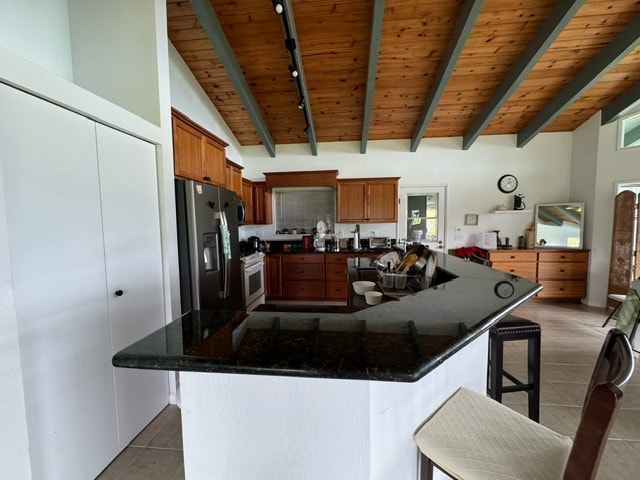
x=507, y=183
x=504, y=289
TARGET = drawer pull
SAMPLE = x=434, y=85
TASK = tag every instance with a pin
x=512, y=270
x=563, y=256
x=561, y=270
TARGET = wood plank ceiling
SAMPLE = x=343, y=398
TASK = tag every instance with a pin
x=409, y=69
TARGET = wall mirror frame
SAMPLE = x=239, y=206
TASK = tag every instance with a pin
x=559, y=225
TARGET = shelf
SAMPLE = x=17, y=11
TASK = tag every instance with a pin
x=511, y=211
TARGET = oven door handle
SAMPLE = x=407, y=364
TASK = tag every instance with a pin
x=253, y=268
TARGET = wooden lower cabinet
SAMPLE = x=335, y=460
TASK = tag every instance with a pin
x=303, y=276
x=337, y=287
x=309, y=276
x=562, y=273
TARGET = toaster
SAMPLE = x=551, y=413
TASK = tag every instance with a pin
x=379, y=242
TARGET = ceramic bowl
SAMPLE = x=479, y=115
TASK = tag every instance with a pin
x=362, y=286
x=373, y=297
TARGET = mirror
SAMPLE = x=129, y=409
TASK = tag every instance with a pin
x=559, y=225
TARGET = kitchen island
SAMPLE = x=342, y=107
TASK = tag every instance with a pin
x=289, y=395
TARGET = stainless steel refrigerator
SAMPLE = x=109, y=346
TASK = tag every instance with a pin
x=209, y=246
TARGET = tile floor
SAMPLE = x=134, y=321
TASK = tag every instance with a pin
x=571, y=341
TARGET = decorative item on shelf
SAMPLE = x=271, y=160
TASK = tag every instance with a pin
x=507, y=183
x=501, y=208
x=518, y=202
x=471, y=219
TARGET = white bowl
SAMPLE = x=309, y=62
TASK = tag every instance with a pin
x=373, y=297
x=362, y=286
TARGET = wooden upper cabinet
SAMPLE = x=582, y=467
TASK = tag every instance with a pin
x=373, y=200
x=261, y=204
x=197, y=154
x=247, y=196
x=213, y=162
x=233, y=177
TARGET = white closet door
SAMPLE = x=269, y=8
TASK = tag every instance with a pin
x=130, y=213
x=50, y=171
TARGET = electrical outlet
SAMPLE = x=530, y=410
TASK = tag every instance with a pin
x=459, y=236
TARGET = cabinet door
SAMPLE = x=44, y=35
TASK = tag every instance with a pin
x=213, y=158
x=273, y=274
x=187, y=150
x=262, y=203
x=130, y=216
x=247, y=196
x=382, y=201
x=351, y=201
x=51, y=188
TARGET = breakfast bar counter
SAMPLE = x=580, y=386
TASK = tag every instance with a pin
x=315, y=395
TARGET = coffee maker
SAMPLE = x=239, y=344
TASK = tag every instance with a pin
x=254, y=244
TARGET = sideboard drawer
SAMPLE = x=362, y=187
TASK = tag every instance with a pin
x=563, y=289
x=562, y=271
x=564, y=256
x=513, y=256
x=521, y=269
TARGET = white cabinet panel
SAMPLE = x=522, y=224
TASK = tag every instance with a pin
x=134, y=269
x=50, y=171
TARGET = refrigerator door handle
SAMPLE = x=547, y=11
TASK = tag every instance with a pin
x=226, y=255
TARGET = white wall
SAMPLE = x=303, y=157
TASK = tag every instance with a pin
x=115, y=53
x=38, y=30
x=188, y=97
x=613, y=166
x=470, y=176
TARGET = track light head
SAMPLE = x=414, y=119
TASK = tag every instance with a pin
x=301, y=104
x=293, y=71
x=278, y=6
x=306, y=130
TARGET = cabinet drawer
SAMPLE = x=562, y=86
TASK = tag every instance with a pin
x=337, y=290
x=336, y=272
x=337, y=258
x=513, y=256
x=563, y=289
x=303, y=258
x=296, y=271
x=562, y=271
x=521, y=269
x=563, y=256
x=303, y=289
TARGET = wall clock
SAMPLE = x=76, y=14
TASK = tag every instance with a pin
x=507, y=183
x=504, y=289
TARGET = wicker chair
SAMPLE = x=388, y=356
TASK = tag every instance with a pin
x=474, y=437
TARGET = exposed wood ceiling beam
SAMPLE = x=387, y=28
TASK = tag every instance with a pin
x=461, y=31
x=606, y=59
x=289, y=25
x=621, y=104
x=374, y=48
x=209, y=22
x=555, y=22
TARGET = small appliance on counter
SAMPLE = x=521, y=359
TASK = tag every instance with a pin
x=379, y=243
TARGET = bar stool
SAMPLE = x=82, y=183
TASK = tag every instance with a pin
x=509, y=329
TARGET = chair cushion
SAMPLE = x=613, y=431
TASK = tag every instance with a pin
x=628, y=312
x=474, y=437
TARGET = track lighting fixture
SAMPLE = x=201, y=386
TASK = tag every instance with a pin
x=294, y=71
x=306, y=130
x=301, y=104
x=278, y=6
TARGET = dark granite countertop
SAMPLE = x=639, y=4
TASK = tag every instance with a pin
x=395, y=341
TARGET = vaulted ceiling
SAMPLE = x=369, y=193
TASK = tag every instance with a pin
x=409, y=69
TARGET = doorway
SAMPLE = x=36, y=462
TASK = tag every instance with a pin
x=422, y=216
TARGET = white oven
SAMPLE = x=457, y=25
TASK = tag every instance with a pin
x=253, y=280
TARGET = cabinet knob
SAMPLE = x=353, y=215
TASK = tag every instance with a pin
x=119, y=293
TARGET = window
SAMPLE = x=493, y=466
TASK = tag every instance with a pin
x=302, y=208
x=630, y=131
